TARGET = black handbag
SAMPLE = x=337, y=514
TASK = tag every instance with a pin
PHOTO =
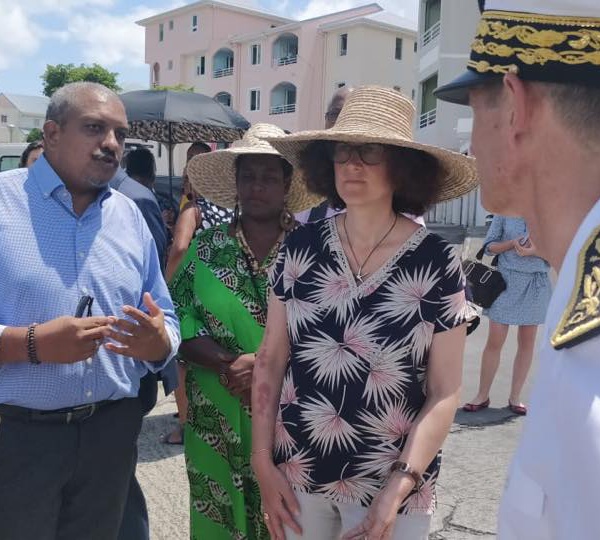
x=484, y=283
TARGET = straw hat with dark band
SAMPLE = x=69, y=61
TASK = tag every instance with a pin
x=213, y=175
x=373, y=114
x=538, y=40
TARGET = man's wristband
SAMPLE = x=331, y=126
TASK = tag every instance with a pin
x=31, y=346
x=404, y=468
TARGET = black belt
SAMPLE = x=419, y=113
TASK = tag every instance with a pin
x=59, y=416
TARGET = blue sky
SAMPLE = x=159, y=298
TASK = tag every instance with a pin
x=41, y=32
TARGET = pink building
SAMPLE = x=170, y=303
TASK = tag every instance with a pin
x=278, y=70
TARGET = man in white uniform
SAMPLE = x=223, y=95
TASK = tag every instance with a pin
x=533, y=82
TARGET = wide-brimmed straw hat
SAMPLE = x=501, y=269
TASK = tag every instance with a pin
x=212, y=175
x=373, y=114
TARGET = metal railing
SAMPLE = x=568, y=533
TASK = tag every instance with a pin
x=431, y=33
x=225, y=72
x=428, y=118
x=283, y=109
x=285, y=60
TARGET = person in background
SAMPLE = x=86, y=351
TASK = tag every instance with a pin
x=534, y=86
x=141, y=166
x=31, y=154
x=196, y=215
x=523, y=304
x=221, y=292
x=85, y=313
x=357, y=380
x=135, y=524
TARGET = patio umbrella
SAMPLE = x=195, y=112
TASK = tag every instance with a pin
x=171, y=117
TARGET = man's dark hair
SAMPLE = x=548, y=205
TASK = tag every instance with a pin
x=35, y=145
x=413, y=173
x=141, y=164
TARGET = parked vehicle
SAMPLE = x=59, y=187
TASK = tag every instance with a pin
x=10, y=154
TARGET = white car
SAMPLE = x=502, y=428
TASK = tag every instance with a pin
x=10, y=154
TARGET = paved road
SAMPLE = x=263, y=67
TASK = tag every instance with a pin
x=476, y=456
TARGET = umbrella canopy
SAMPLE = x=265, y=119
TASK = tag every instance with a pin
x=172, y=117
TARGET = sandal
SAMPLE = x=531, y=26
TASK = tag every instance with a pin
x=519, y=410
x=474, y=407
x=168, y=438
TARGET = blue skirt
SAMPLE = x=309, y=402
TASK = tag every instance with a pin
x=525, y=300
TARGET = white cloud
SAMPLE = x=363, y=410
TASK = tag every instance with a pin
x=19, y=38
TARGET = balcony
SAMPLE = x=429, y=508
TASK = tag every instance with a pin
x=224, y=98
x=427, y=118
x=223, y=63
x=283, y=99
x=431, y=34
x=224, y=72
x=283, y=109
x=285, y=50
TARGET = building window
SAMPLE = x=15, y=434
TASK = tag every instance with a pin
x=194, y=23
x=170, y=65
x=171, y=25
x=283, y=99
x=285, y=50
x=433, y=12
x=3, y=119
x=412, y=94
x=156, y=74
x=255, y=100
x=415, y=47
x=428, y=102
x=340, y=85
x=200, y=65
x=343, y=44
x=224, y=98
x=161, y=32
x=255, y=54
x=398, y=54
x=223, y=63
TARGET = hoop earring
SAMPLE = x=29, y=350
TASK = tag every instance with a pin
x=287, y=221
x=236, y=213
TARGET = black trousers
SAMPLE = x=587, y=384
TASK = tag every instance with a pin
x=67, y=481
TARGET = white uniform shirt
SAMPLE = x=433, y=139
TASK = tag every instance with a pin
x=553, y=489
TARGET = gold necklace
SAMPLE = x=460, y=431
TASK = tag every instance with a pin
x=255, y=267
x=359, y=276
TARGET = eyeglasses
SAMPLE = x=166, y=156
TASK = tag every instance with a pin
x=369, y=154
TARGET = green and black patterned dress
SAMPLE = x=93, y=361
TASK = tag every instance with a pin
x=217, y=296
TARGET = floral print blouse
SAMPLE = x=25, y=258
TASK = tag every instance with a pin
x=356, y=377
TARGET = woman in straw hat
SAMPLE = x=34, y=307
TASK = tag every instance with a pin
x=220, y=290
x=370, y=310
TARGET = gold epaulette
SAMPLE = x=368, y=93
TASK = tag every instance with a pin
x=581, y=319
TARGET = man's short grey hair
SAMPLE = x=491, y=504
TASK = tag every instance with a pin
x=67, y=97
x=578, y=107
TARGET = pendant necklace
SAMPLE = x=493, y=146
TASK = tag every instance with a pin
x=359, y=276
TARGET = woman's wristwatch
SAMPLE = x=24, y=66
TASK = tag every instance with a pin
x=404, y=468
x=223, y=378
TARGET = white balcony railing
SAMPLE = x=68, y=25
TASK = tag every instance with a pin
x=431, y=34
x=283, y=109
x=285, y=60
x=225, y=72
x=428, y=118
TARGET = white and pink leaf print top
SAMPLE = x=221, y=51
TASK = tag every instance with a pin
x=359, y=352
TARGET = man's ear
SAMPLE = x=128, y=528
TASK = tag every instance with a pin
x=51, y=133
x=518, y=96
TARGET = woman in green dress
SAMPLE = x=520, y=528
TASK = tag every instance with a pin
x=220, y=291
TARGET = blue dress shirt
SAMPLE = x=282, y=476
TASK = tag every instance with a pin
x=49, y=258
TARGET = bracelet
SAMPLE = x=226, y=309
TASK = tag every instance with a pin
x=260, y=451
x=31, y=348
x=404, y=468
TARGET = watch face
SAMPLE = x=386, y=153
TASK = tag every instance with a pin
x=223, y=379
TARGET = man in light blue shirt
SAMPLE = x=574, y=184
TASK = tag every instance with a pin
x=69, y=419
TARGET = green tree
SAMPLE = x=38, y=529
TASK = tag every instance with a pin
x=178, y=87
x=35, y=135
x=56, y=76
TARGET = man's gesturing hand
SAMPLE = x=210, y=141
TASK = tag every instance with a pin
x=145, y=338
